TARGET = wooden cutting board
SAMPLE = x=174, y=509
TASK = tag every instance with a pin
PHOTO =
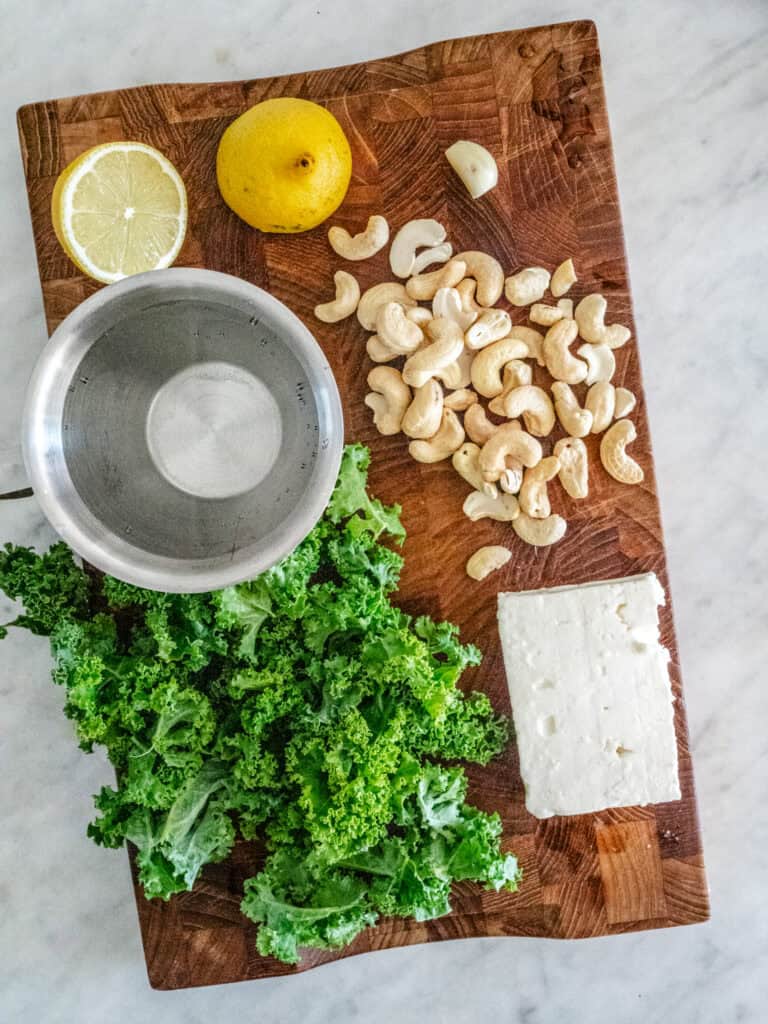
x=535, y=99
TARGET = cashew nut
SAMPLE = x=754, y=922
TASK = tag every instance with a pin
x=511, y=462
x=488, y=274
x=534, y=405
x=460, y=400
x=543, y=314
x=533, y=339
x=526, y=286
x=601, y=402
x=449, y=437
x=575, y=420
x=362, y=245
x=423, y=416
x=517, y=374
x=574, y=466
x=567, y=307
x=396, y=331
x=458, y=374
x=465, y=462
x=435, y=254
x=507, y=440
x=590, y=316
x=539, y=532
x=377, y=296
x=562, y=279
x=487, y=560
x=474, y=165
x=613, y=456
x=345, y=303
x=477, y=425
x=410, y=237
x=496, y=406
x=447, y=303
x=447, y=345
x=378, y=351
x=625, y=403
x=466, y=290
x=492, y=325
x=533, y=498
x=389, y=399
x=511, y=480
x=601, y=362
x=559, y=361
x=503, y=508
x=489, y=362
x=426, y=286
x=419, y=315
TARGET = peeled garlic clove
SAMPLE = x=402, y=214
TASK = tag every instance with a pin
x=474, y=165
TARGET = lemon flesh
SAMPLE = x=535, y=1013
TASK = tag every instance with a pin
x=284, y=165
x=120, y=209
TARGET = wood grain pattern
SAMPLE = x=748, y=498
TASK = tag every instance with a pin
x=631, y=873
x=535, y=98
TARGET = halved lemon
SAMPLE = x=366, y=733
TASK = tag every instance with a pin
x=119, y=209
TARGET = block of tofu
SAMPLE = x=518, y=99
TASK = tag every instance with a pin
x=591, y=697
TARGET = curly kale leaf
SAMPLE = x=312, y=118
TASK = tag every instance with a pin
x=350, y=501
x=296, y=906
x=51, y=586
x=174, y=845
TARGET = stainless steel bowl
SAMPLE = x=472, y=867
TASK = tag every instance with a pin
x=182, y=430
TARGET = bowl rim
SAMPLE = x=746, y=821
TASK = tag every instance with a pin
x=73, y=520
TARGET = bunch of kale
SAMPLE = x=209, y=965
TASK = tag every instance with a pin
x=302, y=708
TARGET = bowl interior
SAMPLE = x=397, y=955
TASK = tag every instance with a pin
x=198, y=437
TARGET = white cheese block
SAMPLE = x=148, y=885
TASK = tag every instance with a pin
x=591, y=697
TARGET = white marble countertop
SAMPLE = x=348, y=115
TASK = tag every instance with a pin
x=688, y=99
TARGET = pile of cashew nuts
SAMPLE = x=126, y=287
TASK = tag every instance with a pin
x=460, y=351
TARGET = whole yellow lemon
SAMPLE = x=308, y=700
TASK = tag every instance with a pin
x=284, y=165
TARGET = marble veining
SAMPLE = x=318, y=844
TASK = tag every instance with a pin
x=688, y=99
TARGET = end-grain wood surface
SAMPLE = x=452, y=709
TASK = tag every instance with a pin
x=535, y=99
